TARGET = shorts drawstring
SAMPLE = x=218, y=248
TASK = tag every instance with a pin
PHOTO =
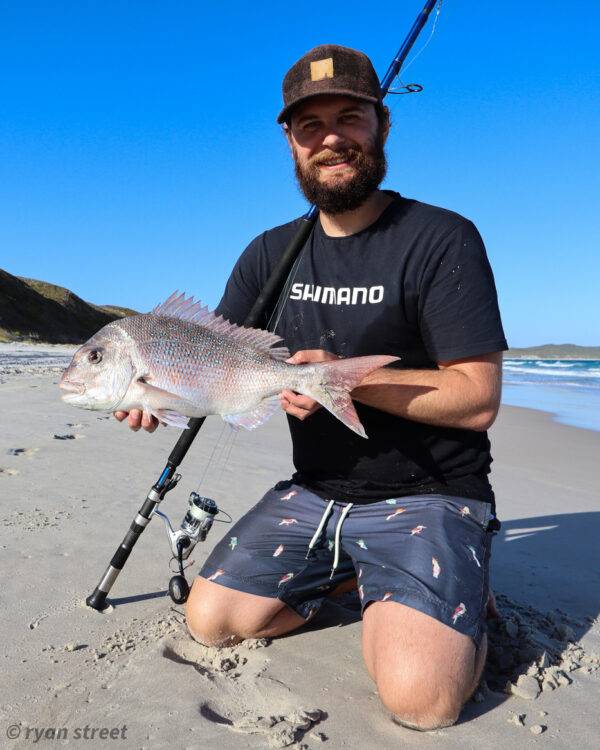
x=322, y=522
x=338, y=535
x=338, y=532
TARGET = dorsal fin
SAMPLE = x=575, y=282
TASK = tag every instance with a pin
x=182, y=308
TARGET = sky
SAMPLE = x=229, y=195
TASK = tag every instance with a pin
x=139, y=151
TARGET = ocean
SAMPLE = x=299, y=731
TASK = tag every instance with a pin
x=569, y=388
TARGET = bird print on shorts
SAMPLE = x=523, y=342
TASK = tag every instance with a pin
x=287, y=521
x=278, y=551
x=417, y=530
x=289, y=495
x=474, y=554
x=216, y=574
x=458, y=612
x=397, y=512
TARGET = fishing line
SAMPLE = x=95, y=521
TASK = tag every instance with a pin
x=215, y=464
x=223, y=456
x=209, y=461
x=438, y=10
x=283, y=296
x=228, y=448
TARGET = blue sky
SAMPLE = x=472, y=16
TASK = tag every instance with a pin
x=139, y=151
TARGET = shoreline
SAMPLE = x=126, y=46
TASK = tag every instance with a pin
x=549, y=359
x=549, y=415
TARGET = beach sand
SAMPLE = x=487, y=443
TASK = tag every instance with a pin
x=71, y=482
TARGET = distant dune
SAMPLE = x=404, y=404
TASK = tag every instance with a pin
x=555, y=351
x=32, y=310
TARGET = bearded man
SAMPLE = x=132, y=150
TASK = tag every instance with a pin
x=409, y=512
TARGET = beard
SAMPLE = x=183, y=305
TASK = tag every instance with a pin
x=339, y=196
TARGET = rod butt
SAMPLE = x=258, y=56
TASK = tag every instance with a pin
x=97, y=600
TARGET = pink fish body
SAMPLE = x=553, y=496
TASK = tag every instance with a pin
x=181, y=361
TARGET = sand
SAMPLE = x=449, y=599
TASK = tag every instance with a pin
x=71, y=482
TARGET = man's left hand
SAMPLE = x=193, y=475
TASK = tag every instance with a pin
x=294, y=403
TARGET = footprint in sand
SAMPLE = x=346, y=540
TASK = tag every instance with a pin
x=274, y=714
x=22, y=451
x=68, y=436
x=280, y=730
x=8, y=472
x=209, y=662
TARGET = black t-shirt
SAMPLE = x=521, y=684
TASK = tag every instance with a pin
x=416, y=284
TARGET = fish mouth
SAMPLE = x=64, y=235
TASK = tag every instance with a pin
x=69, y=387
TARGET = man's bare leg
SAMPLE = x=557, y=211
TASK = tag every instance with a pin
x=424, y=670
x=220, y=616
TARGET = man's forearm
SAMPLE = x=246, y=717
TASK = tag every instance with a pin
x=446, y=397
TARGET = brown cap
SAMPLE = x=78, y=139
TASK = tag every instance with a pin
x=329, y=69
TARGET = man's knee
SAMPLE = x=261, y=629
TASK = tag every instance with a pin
x=218, y=616
x=207, y=624
x=421, y=703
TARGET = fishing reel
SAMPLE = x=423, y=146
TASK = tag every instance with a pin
x=194, y=528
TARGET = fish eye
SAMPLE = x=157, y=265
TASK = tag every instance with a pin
x=94, y=356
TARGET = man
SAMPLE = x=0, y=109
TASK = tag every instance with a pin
x=409, y=512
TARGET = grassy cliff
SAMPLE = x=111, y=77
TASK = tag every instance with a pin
x=32, y=310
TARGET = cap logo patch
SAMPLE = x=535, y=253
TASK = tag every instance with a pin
x=320, y=69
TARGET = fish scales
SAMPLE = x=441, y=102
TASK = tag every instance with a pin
x=179, y=352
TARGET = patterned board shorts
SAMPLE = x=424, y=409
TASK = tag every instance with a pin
x=429, y=552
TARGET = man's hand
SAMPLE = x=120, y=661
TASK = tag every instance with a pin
x=294, y=403
x=136, y=418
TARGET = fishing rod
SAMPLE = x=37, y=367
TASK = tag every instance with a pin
x=202, y=511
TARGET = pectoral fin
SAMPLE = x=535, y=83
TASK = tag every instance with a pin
x=171, y=417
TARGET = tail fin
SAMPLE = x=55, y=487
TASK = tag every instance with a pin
x=336, y=379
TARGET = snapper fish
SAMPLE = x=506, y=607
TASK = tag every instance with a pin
x=181, y=361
